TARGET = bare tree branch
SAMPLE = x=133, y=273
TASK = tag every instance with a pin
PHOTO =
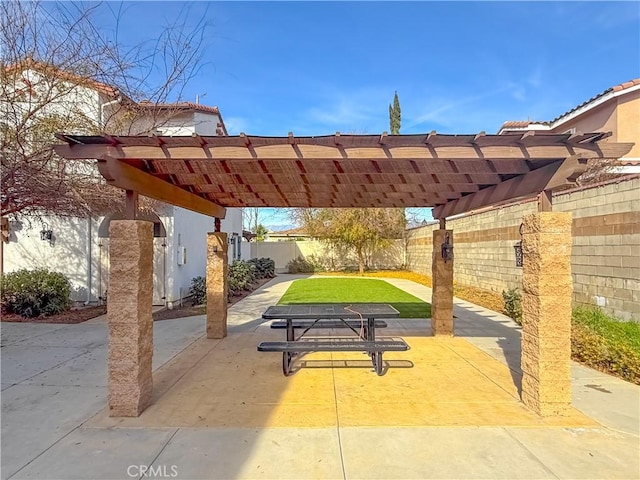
x=60, y=73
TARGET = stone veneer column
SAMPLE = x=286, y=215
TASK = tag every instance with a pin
x=546, y=312
x=442, y=289
x=217, y=271
x=129, y=317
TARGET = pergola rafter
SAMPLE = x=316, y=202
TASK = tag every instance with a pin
x=449, y=172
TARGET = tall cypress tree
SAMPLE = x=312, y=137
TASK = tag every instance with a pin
x=394, y=116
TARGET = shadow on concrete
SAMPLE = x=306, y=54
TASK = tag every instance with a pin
x=494, y=333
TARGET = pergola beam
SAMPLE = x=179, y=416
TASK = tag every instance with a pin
x=124, y=176
x=341, y=152
x=547, y=178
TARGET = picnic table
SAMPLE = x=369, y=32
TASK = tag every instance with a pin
x=361, y=319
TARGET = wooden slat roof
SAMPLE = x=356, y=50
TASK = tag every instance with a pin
x=447, y=172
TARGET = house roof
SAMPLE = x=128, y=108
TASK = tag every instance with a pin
x=593, y=102
x=31, y=64
x=617, y=89
x=520, y=124
x=186, y=107
x=180, y=106
x=452, y=173
x=111, y=91
x=298, y=231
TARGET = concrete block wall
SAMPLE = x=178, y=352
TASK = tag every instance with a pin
x=483, y=247
x=606, y=245
x=605, y=255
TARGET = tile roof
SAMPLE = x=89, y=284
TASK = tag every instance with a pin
x=292, y=231
x=521, y=123
x=31, y=64
x=180, y=106
x=617, y=88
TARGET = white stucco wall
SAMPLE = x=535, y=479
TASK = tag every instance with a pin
x=70, y=252
x=188, y=230
x=86, y=262
x=206, y=123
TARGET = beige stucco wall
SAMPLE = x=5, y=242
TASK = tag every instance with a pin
x=628, y=128
x=283, y=252
x=605, y=255
x=619, y=115
x=600, y=119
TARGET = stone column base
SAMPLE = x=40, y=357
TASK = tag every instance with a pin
x=546, y=312
x=442, y=289
x=217, y=272
x=129, y=317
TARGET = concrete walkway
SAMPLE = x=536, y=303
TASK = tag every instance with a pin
x=54, y=393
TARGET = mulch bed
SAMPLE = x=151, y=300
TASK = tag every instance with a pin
x=72, y=316
x=189, y=310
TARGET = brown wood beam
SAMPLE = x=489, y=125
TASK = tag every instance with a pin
x=550, y=177
x=131, y=204
x=545, y=201
x=283, y=152
x=124, y=176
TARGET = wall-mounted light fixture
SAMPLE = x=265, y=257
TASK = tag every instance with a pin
x=46, y=233
x=447, y=248
x=518, y=249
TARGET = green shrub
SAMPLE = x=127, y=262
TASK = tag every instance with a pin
x=265, y=267
x=605, y=343
x=198, y=290
x=301, y=265
x=241, y=275
x=513, y=304
x=32, y=293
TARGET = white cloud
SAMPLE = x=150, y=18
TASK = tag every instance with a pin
x=359, y=111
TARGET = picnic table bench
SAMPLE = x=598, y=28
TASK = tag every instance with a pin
x=362, y=319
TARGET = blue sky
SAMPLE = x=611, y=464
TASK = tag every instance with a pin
x=315, y=68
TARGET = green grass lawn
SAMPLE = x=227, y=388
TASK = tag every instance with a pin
x=605, y=343
x=355, y=290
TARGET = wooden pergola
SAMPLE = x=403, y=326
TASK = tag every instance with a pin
x=453, y=174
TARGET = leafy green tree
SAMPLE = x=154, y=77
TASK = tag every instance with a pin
x=261, y=233
x=361, y=230
x=395, y=116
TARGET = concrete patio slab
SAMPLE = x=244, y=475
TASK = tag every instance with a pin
x=99, y=455
x=583, y=453
x=29, y=361
x=448, y=382
x=437, y=453
x=54, y=423
x=34, y=417
x=86, y=370
x=284, y=453
x=17, y=332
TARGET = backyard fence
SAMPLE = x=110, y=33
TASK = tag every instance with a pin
x=606, y=246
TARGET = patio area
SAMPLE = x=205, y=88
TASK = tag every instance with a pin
x=440, y=381
x=447, y=408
